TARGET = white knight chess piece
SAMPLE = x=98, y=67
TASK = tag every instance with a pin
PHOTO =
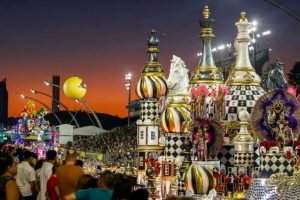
x=178, y=80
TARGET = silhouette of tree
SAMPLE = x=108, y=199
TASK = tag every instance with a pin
x=294, y=76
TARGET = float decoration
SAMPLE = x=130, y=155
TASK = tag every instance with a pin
x=207, y=138
x=275, y=116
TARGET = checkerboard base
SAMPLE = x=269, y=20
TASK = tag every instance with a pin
x=150, y=109
x=256, y=157
x=226, y=156
x=274, y=163
x=174, y=144
x=241, y=98
x=181, y=187
x=243, y=159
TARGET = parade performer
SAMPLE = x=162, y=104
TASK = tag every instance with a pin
x=222, y=181
x=219, y=102
x=242, y=181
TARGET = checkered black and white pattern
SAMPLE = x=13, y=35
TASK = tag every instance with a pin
x=258, y=190
x=150, y=109
x=241, y=98
x=181, y=187
x=174, y=144
x=226, y=156
x=243, y=159
x=274, y=163
x=256, y=157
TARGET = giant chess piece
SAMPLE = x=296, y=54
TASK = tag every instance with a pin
x=273, y=77
x=176, y=116
x=243, y=143
x=187, y=161
x=243, y=82
x=151, y=87
x=207, y=72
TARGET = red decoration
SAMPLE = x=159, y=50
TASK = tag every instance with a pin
x=152, y=163
x=268, y=144
x=288, y=155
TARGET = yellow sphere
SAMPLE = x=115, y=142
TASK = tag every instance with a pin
x=73, y=88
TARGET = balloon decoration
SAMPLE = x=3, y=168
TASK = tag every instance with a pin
x=73, y=88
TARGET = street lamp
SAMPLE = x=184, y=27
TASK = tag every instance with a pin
x=82, y=101
x=128, y=87
x=40, y=102
x=254, y=38
x=34, y=91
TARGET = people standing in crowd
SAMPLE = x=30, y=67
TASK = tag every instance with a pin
x=69, y=174
x=52, y=185
x=8, y=186
x=38, y=168
x=26, y=178
x=83, y=181
x=103, y=192
x=46, y=172
x=79, y=163
x=33, y=160
x=123, y=186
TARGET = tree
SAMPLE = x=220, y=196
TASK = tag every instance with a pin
x=294, y=76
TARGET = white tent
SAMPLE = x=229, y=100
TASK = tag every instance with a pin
x=88, y=130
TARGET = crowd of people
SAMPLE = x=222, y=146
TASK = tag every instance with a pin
x=114, y=144
x=23, y=176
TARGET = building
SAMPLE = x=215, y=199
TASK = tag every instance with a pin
x=3, y=102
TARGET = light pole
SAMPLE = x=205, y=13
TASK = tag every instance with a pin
x=34, y=91
x=128, y=87
x=38, y=101
x=253, y=40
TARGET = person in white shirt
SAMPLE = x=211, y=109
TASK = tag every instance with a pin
x=26, y=178
x=46, y=172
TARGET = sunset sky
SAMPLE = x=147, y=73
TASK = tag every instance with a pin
x=101, y=40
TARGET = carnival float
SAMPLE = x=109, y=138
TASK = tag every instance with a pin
x=206, y=137
x=33, y=132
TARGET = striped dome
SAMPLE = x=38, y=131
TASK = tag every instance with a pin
x=199, y=179
x=151, y=87
x=173, y=118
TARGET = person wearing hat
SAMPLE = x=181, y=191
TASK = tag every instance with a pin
x=69, y=174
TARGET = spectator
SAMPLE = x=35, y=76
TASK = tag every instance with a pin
x=83, y=181
x=124, y=186
x=69, y=174
x=33, y=160
x=140, y=194
x=52, y=185
x=26, y=178
x=46, y=172
x=38, y=167
x=8, y=186
x=79, y=163
x=103, y=192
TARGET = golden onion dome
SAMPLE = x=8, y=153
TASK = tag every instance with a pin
x=152, y=84
x=176, y=118
x=151, y=87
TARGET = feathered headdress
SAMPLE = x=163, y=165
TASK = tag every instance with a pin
x=197, y=90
